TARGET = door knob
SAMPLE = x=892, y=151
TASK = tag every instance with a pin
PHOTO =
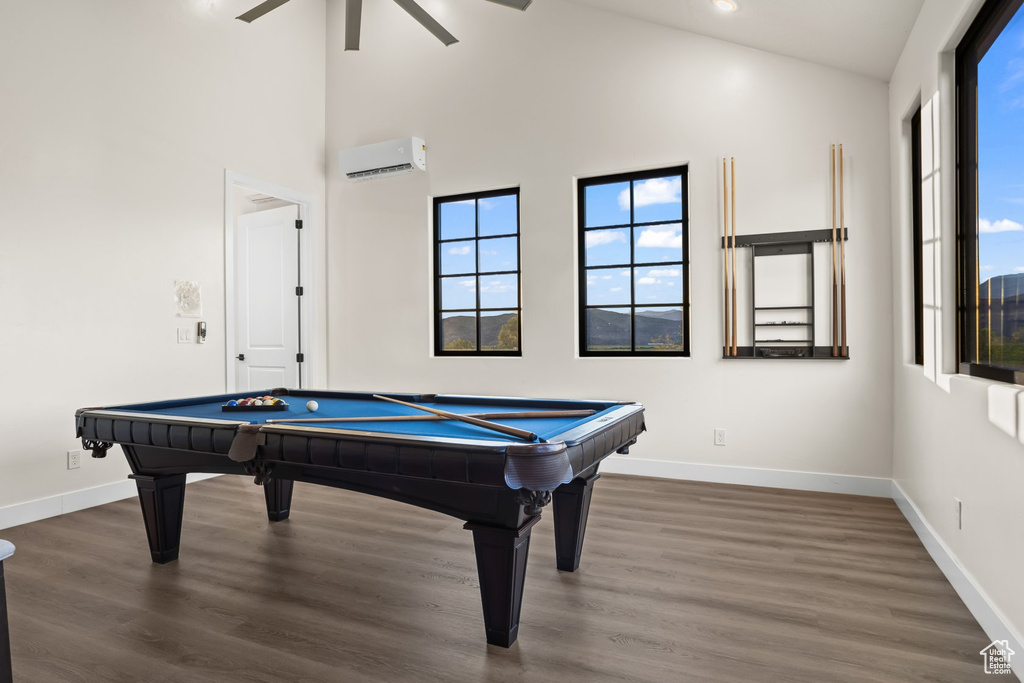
x=240, y=356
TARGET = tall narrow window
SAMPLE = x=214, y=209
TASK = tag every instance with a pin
x=918, y=226
x=476, y=268
x=990, y=157
x=633, y=264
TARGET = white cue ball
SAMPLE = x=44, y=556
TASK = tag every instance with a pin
x=311, y=406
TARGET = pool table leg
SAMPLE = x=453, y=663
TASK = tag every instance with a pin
x=6, y=675
x=278, y=493
x=570, y=504
x=163, y=504
x=501, y=565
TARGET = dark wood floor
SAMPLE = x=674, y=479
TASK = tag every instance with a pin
x=680, y=581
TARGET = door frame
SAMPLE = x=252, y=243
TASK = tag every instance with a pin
x=311, y=370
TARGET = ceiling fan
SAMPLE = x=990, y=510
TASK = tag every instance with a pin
x=353, y=17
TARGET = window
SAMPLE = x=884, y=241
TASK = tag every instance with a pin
x=918, y=226
x=476, y=274
x=633, y=264
x=990, y=238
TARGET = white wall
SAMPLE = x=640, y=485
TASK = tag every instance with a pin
x=561, y=91
x=118, y=120
x=954, y=437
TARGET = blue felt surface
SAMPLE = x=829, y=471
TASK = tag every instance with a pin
x=545, y=428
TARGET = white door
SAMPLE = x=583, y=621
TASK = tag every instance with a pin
x=266, y=301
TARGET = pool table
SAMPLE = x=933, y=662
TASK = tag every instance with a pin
x=496, y=483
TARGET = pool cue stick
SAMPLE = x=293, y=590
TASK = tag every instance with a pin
x=725, y=252
x=493, y=426
x=732, y=197
x=419, y=418
x=842, y=248
x=835, y=289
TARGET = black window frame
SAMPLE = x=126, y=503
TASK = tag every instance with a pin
x=917, y=220
x=438, y=244
x=983, y=32
x=581, y=216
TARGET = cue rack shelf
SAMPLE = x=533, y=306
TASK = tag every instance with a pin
x=768, y=319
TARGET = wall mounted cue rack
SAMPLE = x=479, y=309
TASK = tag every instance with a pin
x=772, y=321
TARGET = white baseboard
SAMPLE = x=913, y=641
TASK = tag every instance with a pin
x=988, y=615
x=35, y=510
x=750, y=476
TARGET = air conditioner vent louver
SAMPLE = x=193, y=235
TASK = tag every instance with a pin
x=366, y=175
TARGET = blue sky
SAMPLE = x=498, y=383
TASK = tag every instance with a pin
x=1001, y=154
x=657, y=199
x=458, y=220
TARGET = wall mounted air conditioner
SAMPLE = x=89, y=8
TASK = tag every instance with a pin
x=383, y=159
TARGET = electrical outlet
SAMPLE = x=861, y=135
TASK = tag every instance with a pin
x=719, y=437
x=74, y=459
x=958, y=511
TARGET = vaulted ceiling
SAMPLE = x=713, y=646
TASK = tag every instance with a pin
x=861, y=36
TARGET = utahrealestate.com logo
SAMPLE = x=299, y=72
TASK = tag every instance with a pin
x=997, y=657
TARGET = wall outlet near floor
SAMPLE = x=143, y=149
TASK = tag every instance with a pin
x=74, y=459
x=958, y=511
x=719, y=437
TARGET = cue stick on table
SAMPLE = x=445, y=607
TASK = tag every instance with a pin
x=835, y=291
x=732, y=197
x=842, y=249
x=417, y=418
x=725, y=252
x=494, y=426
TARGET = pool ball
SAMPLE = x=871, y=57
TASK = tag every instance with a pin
x=312, y=406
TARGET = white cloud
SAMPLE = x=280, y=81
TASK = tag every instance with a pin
x=648, y=281
x=615, y=289
x=468, y=284
x=460, y=251
x=1015, y=77
x=498, y=287
x=602, y=237
x=591, y=279
x=660, y=238
x=1019, y=269
x=1005, y=225
x=653, y=191
x=988, y=268
x=606, y=277
x=664, y=272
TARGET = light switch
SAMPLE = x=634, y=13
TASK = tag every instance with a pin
x=184, y=335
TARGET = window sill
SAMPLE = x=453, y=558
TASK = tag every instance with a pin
x=992, y=372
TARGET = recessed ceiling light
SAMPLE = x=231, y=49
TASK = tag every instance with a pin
x=725, y=5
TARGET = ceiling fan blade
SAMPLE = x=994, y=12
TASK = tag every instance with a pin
x=353, y=21
x=514, y=4
x=427, y=21
x=259, y=10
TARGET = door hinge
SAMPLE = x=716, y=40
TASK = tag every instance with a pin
x=299, y=358
x=298, y=224
x=298, y=291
